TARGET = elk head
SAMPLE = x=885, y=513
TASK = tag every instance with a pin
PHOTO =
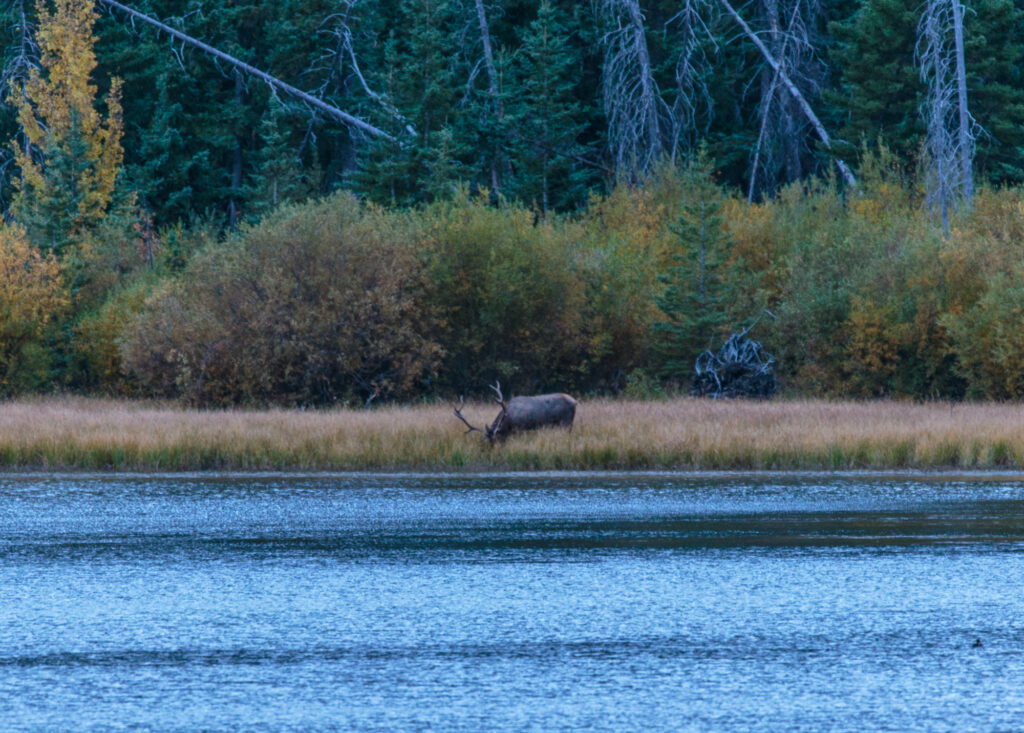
x=494, y=430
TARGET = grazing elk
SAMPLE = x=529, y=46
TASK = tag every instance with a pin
x=525, y=413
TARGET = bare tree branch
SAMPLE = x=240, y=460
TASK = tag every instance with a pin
x=950, y=128
x=23, y=55
x=346, y=48
x=21, y=58
x=692, y=91
x=632, y=101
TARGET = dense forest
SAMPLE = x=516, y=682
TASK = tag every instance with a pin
x=320, y=201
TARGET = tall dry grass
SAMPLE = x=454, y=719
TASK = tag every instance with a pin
x=86, y=434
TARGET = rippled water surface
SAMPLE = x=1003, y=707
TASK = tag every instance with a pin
x=547, y=602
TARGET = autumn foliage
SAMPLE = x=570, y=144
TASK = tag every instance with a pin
x=318, y=304
x=70, y=155
x=32, y=298
x=858, y=290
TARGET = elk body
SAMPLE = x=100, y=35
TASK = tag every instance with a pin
x=526, y=413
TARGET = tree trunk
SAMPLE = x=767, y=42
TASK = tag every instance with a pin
x=965, y=138
x=649, y=94
x=492, y=87
x=234, y=210
x=485, y=38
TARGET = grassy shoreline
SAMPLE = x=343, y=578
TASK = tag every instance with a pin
x=71, y=434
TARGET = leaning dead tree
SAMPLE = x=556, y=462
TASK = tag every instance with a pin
x=637, y=115
x=272, y=81
x=787, y=82
x=950, y=127
x=783, y=128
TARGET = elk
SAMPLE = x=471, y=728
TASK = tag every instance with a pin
x=524, y=413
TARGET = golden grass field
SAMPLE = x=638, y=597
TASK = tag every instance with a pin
x=688, y=434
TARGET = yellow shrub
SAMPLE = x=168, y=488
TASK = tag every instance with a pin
x=32, y=293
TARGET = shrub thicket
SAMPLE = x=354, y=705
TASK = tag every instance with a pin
x=320, y=303
x=338, y=300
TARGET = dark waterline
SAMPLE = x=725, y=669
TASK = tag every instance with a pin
x=478, y=602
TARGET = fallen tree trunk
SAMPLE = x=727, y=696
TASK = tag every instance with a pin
x=272, y=81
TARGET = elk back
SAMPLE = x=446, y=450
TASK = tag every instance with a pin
x=537, y=411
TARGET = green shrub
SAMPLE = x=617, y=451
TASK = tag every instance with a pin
x=508, y=294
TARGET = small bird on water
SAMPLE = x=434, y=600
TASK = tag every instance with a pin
x=977, y=644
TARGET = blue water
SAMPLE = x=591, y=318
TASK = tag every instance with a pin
x=727, y=603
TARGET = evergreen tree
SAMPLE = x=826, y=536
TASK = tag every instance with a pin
x=697, y=289
x=419, y=78
x=161, y=171
x=994, y=51
x=545, y=119
x=276, y=175
x=879, y=86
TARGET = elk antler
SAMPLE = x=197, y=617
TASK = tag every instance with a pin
x=458, y=414
x=499, y=399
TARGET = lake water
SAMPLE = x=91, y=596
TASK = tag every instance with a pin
x=656, y=602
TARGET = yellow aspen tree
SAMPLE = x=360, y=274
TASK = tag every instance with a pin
x=68, y=182
x=32, y=295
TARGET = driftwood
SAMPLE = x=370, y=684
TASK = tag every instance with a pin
x=741, y=368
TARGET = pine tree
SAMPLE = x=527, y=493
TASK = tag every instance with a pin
x=162, y=167
x=71, y=185
x=544, y=116
x=276, y=176
x=419, y=79
x=994, y=50
x=697, y=289
x=879, y=86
